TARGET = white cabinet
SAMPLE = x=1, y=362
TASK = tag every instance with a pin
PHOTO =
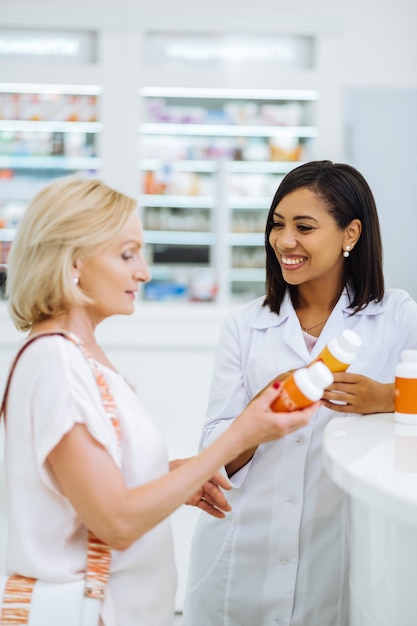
x=373, y=459
x=46, y=131
x=210, y=163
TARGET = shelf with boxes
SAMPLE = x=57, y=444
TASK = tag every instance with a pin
x=211, y=161
x=46, y=131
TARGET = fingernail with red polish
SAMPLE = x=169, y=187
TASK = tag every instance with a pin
x=276, y=384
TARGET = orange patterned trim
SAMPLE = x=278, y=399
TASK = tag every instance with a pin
x=106, y=397
x=16, y=601
x=98, y=566
x=98, y=552
x=19, y=589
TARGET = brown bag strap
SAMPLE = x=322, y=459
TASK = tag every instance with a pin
x=98, y=553
x=106, y=397
x=12, y=368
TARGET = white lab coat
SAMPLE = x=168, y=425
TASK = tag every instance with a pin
x=281, y=556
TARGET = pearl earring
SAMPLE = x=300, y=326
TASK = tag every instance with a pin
x=346, y=252
x=75, y=280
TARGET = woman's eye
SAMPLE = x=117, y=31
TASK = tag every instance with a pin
x=127, y=255
x=304, y=228
x=276, y=225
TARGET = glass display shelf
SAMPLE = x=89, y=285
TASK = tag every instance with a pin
x=46, y=131
x=227, y=150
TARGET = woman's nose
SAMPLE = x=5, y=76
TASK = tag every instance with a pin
x=287, y=238
x=142, y=271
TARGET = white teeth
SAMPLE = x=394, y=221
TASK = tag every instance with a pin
x=292, y=261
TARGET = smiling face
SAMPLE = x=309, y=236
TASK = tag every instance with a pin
x=306, y=240
x=110, y=276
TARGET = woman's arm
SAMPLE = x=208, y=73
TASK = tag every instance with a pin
x=118, y=515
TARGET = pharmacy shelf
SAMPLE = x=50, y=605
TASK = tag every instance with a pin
x=210, y=166
x=50, y=88
x=51, y=126
x=247, y=275
x=213, y=93
x=250, y=202
x=198, y=202
x=237, y=145
x=246, y=239
x=261, y=167
x=222, y=130
x=152, y=165
x=46, y=131
x=179, y=238
x=50, y=162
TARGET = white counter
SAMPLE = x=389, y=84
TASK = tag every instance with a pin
x=374, y=460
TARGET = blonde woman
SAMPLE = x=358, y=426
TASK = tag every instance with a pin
x=76, y=260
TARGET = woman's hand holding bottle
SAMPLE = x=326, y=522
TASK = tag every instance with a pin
x=258, y=423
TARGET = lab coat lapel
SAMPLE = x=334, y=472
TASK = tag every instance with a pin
x=292, y=334
x=334, y=325
x=293, y=337
x=287, y=323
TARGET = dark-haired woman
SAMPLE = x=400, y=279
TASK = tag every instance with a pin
x=282, y=555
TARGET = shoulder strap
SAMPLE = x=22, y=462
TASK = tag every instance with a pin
x=12, y=368
x=98, y=552
x=106, y=397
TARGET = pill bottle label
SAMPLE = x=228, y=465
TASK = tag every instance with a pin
x=290, y=398
x=405, y=395
x=332, y=363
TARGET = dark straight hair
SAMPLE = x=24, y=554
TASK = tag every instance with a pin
x=347, y=196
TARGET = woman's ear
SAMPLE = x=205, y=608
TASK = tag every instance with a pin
x=353, y=232
x=76, y=267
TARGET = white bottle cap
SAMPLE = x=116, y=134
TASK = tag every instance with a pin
x=349, y=340
x=321, y=375
x=409, y=355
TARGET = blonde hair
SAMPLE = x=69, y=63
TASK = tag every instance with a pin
x=65, y=221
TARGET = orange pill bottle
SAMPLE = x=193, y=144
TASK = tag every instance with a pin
x=303, y=387
x=405, y=400
x=340, y=352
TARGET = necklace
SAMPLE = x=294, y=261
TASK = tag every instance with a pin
x=307, y=330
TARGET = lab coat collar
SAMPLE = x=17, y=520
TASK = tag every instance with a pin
x=292, y=334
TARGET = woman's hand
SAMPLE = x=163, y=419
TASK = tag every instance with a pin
x=209, y=497
x=280, y=378
x=258, y=423
x=359, y=394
